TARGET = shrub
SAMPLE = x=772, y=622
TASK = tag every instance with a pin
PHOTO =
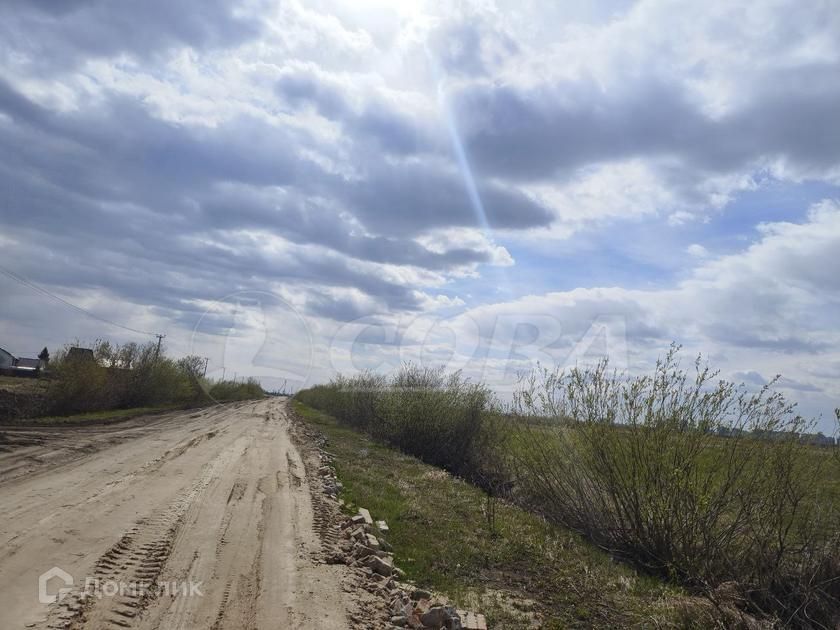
x=641, y=467
x=222, y=391
x=437, y=417
x=132, y=375
x=77, y=386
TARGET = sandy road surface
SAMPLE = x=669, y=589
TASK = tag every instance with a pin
x=215, y=500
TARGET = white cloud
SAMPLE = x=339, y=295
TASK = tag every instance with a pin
x=769, y=309
x=697, y=250
x=302, y=148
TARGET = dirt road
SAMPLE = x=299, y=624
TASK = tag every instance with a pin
x=211, y=507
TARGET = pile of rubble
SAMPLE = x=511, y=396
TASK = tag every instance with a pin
x=361, y=543
x=366, y=547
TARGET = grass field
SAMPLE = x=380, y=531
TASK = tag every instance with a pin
x=522, y=568
x=21, y=385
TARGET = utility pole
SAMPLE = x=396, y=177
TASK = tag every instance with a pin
x=224, y=369
x=234, y=376
x=206, y=361
x=157, y=352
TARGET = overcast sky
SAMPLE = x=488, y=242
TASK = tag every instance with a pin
x=293, y=188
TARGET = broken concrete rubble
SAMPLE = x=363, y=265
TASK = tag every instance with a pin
x=359, y=542
x=382, y=566
x=472, y=621
x=408, y=606
x=366, y=516
x=441, y=617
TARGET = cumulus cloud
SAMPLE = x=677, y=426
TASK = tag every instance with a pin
x=697, y=250
x=770, y=306
x=51, y=36
x=185, y=195
x=703, y=107
x=405, y=162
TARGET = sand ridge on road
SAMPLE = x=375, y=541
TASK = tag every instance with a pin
x=212, y=507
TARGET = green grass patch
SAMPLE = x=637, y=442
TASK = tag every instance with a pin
x=442, y=540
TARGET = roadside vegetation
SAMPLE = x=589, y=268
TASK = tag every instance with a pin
x=20, y=385
x=520, y=570
x=684, y=477
x=120, y=378
x=438, y=417
x=101, y=417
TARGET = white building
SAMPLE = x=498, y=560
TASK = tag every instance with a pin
x=7, y=361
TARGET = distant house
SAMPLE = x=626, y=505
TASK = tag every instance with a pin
x=19, y=366
x=28, y=364
x=80, y=354
x=7, y=360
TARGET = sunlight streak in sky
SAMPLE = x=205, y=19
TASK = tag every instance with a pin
x=466, y=170
x=458, y=147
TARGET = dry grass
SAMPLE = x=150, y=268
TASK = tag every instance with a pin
x=22, y=385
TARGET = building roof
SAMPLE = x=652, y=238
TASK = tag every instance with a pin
x=76, y=354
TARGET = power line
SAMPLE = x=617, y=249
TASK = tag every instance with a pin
x=18, y=278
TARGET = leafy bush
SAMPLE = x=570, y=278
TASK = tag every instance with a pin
x=234, y=390
x=439, y=418
x=78, y=386
x=132, y=375
x=699, y=481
